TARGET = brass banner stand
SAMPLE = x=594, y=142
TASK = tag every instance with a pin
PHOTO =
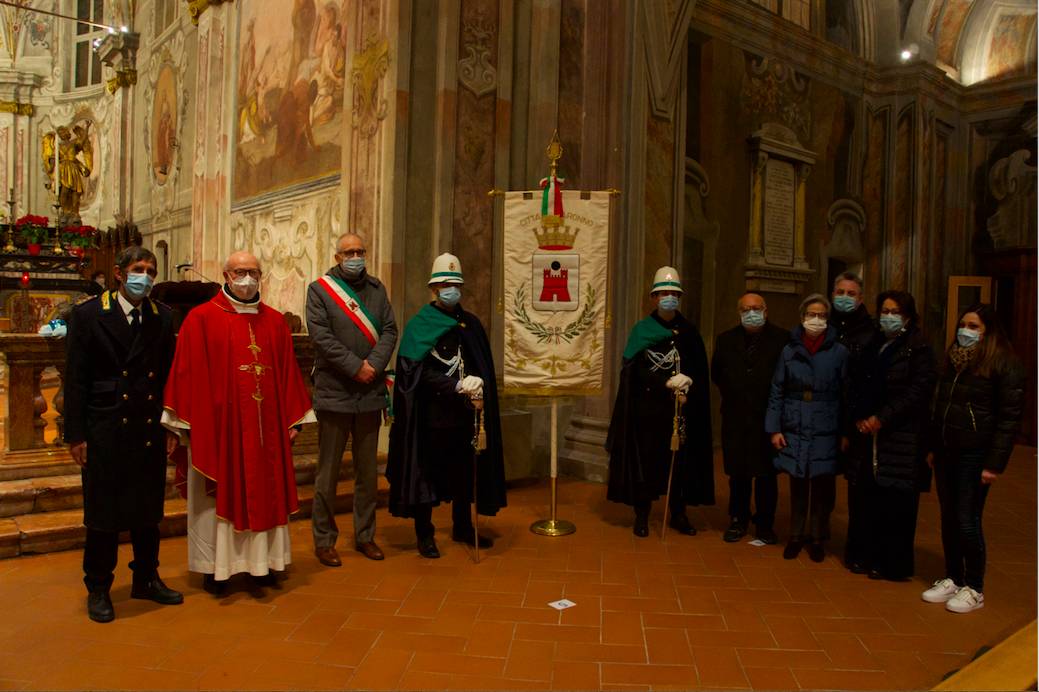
x=553, y=526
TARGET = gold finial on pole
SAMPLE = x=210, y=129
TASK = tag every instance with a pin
x=554, y=152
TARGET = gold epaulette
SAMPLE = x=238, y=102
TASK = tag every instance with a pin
x=84, y=299
x=106, y=300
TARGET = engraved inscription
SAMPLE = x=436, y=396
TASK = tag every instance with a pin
x=780, y=188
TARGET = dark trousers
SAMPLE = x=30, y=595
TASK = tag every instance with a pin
x=102, y=553
x=456, y=480
x=811, y=502
x=765, y=490
x=881, y=527
x=961, y=495
x=362, y=429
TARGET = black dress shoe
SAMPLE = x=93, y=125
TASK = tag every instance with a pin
x=859, y=568
x=213, y=586
x=767, y=536
x=465, y=535
x=155, y=590
x=427, y=547
x=641, y=526
x=816, y=552
x=680, y=523
x=737, y=530
x=99, y=606
x=792, y=549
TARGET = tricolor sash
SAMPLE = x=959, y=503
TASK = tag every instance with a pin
x=346, y=299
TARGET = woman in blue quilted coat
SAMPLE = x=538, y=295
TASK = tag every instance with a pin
x=804, y=421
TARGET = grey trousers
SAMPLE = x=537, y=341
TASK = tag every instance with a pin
x=333, y=430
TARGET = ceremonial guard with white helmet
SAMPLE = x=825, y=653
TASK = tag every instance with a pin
x=445, y=404
x=660, y=434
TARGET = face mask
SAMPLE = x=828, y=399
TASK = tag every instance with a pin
x=891, y=324
x=753, y=318
x=967, y=337
x=450, y=296
x=668, y=303
x=138, y=285
x=244, y=288
x=845, y=303
x=815, y=326
x=353, y=267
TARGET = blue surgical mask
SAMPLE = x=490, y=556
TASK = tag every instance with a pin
x=138, y=285
x=753, y=318
x=450, y=296
x=845, y=303
x=668, y=303
x=967, y=337
x=353, y=267
x=891, y=324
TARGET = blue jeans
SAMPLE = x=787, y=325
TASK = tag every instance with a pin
x=961, y=494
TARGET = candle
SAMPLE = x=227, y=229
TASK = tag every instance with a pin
x=57, y=146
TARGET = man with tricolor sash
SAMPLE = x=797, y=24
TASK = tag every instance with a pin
x=446, y=436
x=664, y=362
x=351, y=323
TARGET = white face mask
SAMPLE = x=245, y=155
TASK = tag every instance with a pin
x=815, y=326
x=244, y=288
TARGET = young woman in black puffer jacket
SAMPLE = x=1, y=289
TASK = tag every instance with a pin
x=886, y=467
x=977, y=410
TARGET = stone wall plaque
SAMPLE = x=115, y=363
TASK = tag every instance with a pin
x=776, y=257
x=780, y=189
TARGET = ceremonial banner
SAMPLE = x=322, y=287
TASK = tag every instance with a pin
x=556, y=269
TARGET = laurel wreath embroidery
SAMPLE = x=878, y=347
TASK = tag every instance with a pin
x=546, y=334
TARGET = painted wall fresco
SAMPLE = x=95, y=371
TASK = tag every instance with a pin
x=164, y=123
x=291, y=76
x=473, y=224
x=1006, y=55
x=873, y=197
x=951, y=25
x=899, y=243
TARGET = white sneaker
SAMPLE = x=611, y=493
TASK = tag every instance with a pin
x=940, y=591
x=965, y=600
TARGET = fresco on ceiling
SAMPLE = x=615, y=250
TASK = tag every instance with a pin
x=952, y=22
x=1007, y=47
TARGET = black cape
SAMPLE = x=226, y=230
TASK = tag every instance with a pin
x=639, y=437
x=415, y=467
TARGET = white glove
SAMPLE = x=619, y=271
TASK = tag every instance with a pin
x=471, y=386
x=680, y=383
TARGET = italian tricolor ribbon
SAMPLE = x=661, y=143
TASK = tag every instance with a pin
x=345, y=298
x=552, y=196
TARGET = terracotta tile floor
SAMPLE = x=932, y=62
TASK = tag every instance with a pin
x=686, y=613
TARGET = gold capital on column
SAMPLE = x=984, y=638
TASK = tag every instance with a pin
x=197, y=7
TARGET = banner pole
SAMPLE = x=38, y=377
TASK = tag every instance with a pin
x=553, y=526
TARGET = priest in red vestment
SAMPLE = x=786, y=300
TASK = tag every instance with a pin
x=235, y=399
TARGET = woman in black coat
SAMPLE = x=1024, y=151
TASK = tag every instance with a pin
x=976, y=413
x=886, y=467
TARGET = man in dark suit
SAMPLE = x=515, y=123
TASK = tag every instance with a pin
x=118, y=355
x=744, y=360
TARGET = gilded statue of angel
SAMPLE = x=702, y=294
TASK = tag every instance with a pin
x=75, y=162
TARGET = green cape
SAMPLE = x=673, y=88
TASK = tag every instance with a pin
x=423, y=331
x=645, y=333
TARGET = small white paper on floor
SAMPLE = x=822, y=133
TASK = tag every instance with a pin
x=757, y=543
x=562, y=604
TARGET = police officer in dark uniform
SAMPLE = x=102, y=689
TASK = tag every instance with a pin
x=118, y=355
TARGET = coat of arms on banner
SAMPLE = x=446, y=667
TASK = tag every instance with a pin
x=556, y=268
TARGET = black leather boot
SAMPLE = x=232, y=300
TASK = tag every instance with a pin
x=153, y=589
x=641, y=527
x=99, y=606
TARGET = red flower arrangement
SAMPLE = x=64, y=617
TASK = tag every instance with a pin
x=32, y=228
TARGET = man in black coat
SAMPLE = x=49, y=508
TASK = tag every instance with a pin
x=856, y=330
x=118, y=355
x=444, y=371
x=744, y=361
x=664, y=361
